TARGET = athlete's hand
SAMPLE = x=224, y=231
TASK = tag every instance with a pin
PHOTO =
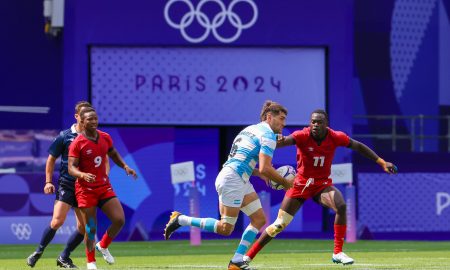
x=129, y=171
x=390, y=168
x=280, y=137
x=49, y=188
x=88, y=177
x=387, y=166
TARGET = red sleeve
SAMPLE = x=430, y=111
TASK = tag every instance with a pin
x=299, y=136
x=108, y=140
x=74, y=149
x=341, y=138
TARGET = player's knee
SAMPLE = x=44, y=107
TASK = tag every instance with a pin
x=259, y=221
x=341, y=209
x=81, y=228
x=280, y=223
x=119, y=222
x=226, y=225
x=56, y=223
x=252, y=210
x=225, y=229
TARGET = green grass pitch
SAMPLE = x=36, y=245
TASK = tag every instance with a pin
x=215, y=254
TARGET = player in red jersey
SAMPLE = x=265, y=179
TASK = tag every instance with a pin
x=316, y=146
x=87, y=155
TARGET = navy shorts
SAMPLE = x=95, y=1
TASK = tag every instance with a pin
x=66, y=193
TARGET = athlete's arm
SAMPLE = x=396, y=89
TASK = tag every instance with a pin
x=266, y=169
x=117, y=158
x=258, y=174
x=285, y=141
x=49, y=188
x=75, y=172
x=370, y=154
x=107, y=166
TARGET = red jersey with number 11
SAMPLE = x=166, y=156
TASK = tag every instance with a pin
x=314, y=160
x=92, y=156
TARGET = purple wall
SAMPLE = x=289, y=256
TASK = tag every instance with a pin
x=31, y=66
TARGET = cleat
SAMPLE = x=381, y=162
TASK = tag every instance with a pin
x=172, y=225
x=247, y=259
x=65, y=263
x=239, y=265
x=341, y=257
x=33, y=258
x=91, y=266
x=105, y=252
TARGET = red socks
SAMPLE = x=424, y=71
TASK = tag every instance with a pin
x=339, y=234
x=256, y=247
x=90, y=255
x=106, y=241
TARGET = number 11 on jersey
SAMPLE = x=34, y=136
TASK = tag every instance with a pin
x=316, y=161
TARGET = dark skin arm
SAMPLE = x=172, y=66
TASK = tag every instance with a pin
x=365, y=151
x=117, y=158
x=75, y=172
x=283, y=141
x=354, y=145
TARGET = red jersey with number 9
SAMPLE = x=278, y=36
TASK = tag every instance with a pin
x=314, y=160
x=92, y=156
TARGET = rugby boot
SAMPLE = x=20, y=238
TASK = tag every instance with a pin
x=172, y=225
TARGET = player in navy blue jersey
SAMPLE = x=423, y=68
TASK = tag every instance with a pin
x=65, y=195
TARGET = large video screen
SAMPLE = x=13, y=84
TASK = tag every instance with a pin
x=204, y=85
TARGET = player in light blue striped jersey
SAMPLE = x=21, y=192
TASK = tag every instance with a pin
x=255, y=144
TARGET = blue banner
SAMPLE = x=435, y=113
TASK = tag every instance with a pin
x=28, y=230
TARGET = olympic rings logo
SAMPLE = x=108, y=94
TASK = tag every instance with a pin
x=180, y=171
x=21, y=231
x=211, y=25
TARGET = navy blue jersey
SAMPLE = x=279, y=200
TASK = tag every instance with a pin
x=60, y=147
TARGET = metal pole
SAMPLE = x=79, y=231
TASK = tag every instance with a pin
x=421, y=131
x=413, y=133
x=448, y=133
x=394, y=133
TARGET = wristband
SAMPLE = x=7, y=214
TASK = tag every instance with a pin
x=381, y=162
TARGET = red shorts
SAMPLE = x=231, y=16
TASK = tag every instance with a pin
x=307, y=188
x=90, y=196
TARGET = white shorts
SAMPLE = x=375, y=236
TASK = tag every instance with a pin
x=232, y=188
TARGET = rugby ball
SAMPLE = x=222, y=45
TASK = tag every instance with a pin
x=285, y=171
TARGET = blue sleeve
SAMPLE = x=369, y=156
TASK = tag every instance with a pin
x=268, y=144
x=56, y=149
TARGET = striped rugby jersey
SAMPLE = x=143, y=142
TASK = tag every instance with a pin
x=246, y=147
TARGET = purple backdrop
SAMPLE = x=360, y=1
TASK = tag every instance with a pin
x=408, y=202
x=142, y=23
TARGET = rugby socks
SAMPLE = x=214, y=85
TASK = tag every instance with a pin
x=75, y=239
x=247, y=239
x=47, y=236
x=106, y=240
x=339, y=234
x=207, y=224
x=90, y=255
x=255, y=249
